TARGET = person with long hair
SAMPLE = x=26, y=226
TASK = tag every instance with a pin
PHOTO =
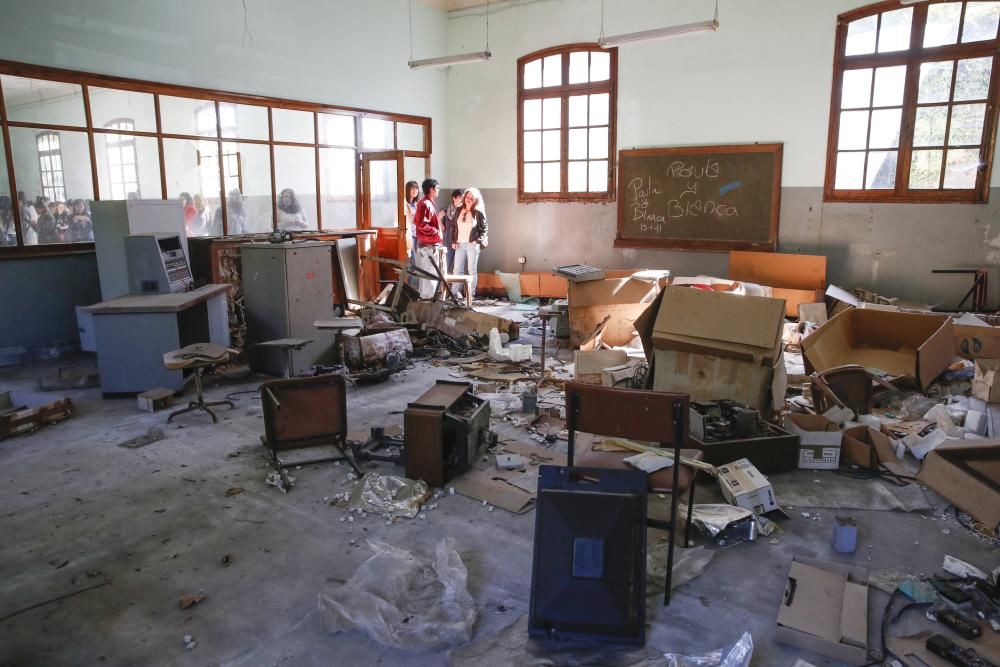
x=411, y=193
x=469, y=235
x=290, y=213
x=81, y=227
x=235, y=211
x=202, y=223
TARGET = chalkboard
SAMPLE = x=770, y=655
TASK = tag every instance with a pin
x=711, y=198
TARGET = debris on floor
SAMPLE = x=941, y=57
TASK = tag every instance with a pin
x=737, y=655
x=388, y=495
x=25, y=411
x=190, y=600
x=403, y=600
x=152, y=434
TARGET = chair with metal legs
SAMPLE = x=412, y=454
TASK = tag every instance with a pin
x=650, y=416
x=198, y=357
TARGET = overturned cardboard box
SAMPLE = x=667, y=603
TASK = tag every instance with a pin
x=869, y=448
x=967, y=474
x=899, y=344
x=798, y=279
x=457, y=321
x=825, y=610
x=623, y=299
x=712, y=345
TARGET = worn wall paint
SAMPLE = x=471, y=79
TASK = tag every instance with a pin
x=45, y=291
x=890, y=248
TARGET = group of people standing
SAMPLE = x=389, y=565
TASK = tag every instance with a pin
x=200, y=221
x=44, y=221
x=453, y=237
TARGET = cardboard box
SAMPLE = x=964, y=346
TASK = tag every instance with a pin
x=976, y=342
x=798, y=279
x=825, y=610
x=744, y=486
x=819, y=441
x=623, y=299
x=986, y=381
x=155, y=400
x=869, y=448
x=588, y=365
x=697, y=349
x=901, y=344
x=967, y=474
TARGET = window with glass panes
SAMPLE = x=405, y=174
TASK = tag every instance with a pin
x=566, y=124
x=122, y=164
x=913, y=115
x=50, y=166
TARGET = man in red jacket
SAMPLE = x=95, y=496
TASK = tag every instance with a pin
x=425, y=221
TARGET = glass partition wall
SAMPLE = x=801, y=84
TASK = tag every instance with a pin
x=234, y=163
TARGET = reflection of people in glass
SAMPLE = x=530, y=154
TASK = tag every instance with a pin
x=469, y=235
x=190, y=212
x=46, y=223
x=290, y=214
x=63, y=217
x=202, y=216
x=81, y=227
x=7, y=234
x=29, y=219
x=234, y=211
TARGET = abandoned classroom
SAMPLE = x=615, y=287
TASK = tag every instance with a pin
x=510, y=332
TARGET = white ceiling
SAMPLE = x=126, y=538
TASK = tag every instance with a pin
x=454, y=5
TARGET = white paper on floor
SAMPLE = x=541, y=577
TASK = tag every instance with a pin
x=402, y=600
x=737, y=655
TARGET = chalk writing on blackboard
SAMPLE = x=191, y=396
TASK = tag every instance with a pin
x=713, y=197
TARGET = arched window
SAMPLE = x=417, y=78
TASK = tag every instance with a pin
x=50, y=166
x=913, y=114
x=123, y=168
x=566, y=124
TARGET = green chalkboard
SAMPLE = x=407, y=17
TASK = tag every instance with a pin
x=715, y=198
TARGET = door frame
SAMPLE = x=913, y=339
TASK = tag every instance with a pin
x=365, y=158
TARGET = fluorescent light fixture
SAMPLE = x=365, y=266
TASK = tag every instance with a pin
x=909, y=2
x=658, y=33
x=444, y=61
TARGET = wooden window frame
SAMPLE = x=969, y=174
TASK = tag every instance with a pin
x=564, y=92
x=210, y=96
x=49, y=135
x=117, y=145
x=913, y=57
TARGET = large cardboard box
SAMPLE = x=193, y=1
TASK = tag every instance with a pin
x=825, y=610
x=819, y=441
x=986, y=381
x=795, y=278
x=711, y=345
x=901, y=344
x=589, y=365
x=624, y=299
x=967, y=474
x=977, y=342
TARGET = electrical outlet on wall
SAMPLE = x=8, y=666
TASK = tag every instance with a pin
x=522, y=260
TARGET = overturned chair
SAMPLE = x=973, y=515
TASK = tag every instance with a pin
x=301, y=413
x=198, y=357
x=651, y=416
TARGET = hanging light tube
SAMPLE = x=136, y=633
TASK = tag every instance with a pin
x=444, y=61
x=658, y=33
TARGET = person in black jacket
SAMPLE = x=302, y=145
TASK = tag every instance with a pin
x=469, y=233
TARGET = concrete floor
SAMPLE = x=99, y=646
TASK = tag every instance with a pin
x=78, y=510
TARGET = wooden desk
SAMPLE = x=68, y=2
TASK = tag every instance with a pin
x=133, y=333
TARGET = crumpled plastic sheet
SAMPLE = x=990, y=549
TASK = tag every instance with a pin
x=404, y=601
x=389, y=495
x=688, y=565
x=728, y=522
x=738, y=655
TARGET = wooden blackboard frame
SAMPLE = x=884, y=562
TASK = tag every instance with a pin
x=707, y=245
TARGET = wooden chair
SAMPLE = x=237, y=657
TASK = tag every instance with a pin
x=637, y=415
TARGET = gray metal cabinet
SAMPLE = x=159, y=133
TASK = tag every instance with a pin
x=287, y=287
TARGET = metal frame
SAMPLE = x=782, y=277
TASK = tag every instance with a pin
x=215, y=97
